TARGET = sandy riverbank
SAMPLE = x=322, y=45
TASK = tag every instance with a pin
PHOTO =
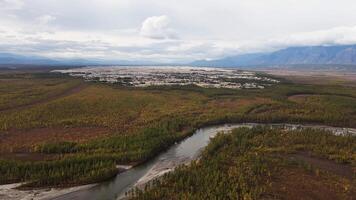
x=9, y=192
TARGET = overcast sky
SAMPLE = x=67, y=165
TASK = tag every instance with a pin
x=171, y=30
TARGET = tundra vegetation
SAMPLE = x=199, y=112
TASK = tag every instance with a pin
x=57, y=130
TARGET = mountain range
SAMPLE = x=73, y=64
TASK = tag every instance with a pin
x=320, y=56
x=15, y=59
x=308, y=55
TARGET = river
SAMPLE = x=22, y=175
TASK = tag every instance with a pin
x=180, y=153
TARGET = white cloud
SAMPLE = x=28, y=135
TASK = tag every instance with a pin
x=136, y=29
x=157, y=27
x=11, y=4
x=45, y=19
x=333, y=36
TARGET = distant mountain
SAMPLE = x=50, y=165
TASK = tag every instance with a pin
x=311, y=55
x=7, y=58
x=336, y=57
x=240, y=60
x=15, y=59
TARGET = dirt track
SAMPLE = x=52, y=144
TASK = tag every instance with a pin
x=65, y=93
x=327, y=165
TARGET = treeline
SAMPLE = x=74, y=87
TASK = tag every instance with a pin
x=94, y=161
x=244, y=164
x=64, y=172
x=135, y=147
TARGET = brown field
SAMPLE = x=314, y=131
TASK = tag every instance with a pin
x=342, y=170
x=296, y=184
x=302, y=98
x=66, y=109
x=50, y=97
x=316, y=77
x=25, y=140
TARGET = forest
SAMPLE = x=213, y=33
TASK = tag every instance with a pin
x=65, y=172
x=248, y=163
x=68, y=126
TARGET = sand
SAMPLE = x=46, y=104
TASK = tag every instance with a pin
x=9, y=192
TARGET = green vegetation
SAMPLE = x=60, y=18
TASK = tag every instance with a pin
x=127, y=108
x=248, y=162
x=124, y=148
x=65, y=172
x=93, y=161
x=130, y=125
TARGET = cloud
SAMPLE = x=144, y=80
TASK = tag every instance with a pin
x=137, y=30
x=157, y=27
x=11, y=4
x=333, y=36
x=45, y=19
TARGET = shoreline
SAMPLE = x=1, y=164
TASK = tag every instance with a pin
x=163, y=167
x=10, y=191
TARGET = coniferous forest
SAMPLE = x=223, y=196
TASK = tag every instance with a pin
x=248, y=164
x=69, y=132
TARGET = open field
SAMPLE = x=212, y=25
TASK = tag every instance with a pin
x=86, y=126
x=264, y=163
x=25, y=90
x=347, y=78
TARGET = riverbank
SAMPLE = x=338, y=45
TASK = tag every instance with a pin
x=10, y=192
x=264, y=163
x=166, y=166
x=180, y=153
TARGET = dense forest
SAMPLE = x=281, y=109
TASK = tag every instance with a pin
x=90, y=162
x=64, y=172
x=247, y=163
x=104, y=125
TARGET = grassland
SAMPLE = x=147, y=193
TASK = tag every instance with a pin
x=264, y=163
x=112, y=125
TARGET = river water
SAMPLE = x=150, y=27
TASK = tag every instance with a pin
x=180, y=153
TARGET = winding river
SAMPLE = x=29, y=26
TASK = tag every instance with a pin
x=178, y=154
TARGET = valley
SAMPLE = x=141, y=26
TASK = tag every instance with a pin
x=71, y=132
x=168, y=100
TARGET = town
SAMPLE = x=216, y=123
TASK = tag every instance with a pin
x=144, y=76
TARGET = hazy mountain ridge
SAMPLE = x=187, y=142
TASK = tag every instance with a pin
x=8, y=58
x=321, y=57
x=310, y=55
x=15, y=59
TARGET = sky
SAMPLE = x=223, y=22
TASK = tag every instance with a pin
x=171, y=30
